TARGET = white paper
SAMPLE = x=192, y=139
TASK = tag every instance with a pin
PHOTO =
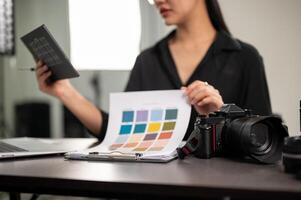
x=150, y=123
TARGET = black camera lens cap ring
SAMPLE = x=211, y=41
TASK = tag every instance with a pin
x=292, y=145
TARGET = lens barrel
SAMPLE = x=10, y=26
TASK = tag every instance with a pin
x=259, y=137
x=292, y=154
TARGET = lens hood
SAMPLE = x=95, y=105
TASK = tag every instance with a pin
x=239, y=132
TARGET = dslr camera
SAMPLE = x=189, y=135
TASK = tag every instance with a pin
x=233, y=131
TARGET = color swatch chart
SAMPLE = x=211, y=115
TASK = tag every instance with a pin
x=145, y=130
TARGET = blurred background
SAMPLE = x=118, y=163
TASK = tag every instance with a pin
x=103, y=38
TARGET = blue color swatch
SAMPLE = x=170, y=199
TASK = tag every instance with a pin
x=156, y=115
x=125, y=129
x=127, y=116
x=139, y=128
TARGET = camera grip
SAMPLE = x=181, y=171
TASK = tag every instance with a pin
x=204, y=149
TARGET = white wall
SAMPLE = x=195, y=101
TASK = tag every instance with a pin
x=274, y=27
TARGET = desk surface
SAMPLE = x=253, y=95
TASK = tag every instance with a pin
x=189, y=178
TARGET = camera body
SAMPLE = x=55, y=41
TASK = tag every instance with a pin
x=233, y=131
x=212, y=129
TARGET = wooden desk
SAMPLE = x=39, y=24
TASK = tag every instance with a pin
x=190, y=178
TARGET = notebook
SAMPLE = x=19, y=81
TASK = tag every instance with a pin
x=43, y=46
x=143, y=127
x=27, y=147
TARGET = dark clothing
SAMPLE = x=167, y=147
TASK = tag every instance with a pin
x=233, y=67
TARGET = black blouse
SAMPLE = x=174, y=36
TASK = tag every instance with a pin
x=233, y=67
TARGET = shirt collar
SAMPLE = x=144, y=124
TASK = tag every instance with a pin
x=225, y=42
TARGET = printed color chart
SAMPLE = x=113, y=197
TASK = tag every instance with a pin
x=145, y=130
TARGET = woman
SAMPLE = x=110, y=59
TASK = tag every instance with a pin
x=198, y=52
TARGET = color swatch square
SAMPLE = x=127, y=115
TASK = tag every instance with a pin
x=150, y=136
x=115, y=146
x=135, y=138
x=171, y=114
x=125, y=129
x=143, y=146
x=154, y=127
x=158, y=145
x=130, y=145
x=165, y=135
x=127, y=116
x=142, y=116
x=156, y=115
x=122, y=139
x=169, y=126
x=139, y=128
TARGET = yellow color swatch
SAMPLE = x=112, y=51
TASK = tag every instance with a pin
x=154, y=127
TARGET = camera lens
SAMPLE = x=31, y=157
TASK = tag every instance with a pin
x=258, y=137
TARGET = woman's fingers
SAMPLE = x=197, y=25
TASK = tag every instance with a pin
x=215, y=101
x=199, y=90
x=198, y=94
x=209, y=104
x=193, y=89
x=204, y=97
x=41, y=70
x=194, y=85
x=208, y=93
x=46, y=75
x=39, y=64
x=42, y=73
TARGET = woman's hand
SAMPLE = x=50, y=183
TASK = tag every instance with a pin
x=204, y=97
x=56, y=88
